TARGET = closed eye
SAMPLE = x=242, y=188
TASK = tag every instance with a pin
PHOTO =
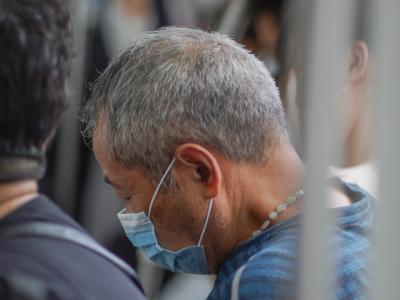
x=132, y=198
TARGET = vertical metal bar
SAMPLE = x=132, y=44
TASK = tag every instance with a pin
x=69, y=136
x=235, y=21
x=386, y=21
x=330, y=34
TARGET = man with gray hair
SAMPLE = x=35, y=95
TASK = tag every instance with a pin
x=189, y=129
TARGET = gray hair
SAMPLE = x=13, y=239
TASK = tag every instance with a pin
x=179, y=85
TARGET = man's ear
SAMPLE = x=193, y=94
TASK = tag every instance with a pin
x=200, y=165
x=358, y=68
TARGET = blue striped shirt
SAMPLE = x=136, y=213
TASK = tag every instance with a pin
x=268, y=263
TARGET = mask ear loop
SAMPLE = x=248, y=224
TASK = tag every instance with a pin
x=342, y=91
x=206, y=222
x=159, y=186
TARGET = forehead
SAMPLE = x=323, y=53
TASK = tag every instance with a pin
x=102, y=151
x=100, y=148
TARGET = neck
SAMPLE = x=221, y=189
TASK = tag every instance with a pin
x=357, y=148
x=263, y=189
x=358, y=144
x=15, y=194
x=255, y=191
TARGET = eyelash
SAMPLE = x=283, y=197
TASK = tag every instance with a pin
x=131, y=197
x=122, y=196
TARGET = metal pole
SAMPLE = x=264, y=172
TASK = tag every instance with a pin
x=329, y=35
x=235, y=21
x=68, y=143
x=386, y=21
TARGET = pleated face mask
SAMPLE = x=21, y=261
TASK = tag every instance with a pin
x=140, y=231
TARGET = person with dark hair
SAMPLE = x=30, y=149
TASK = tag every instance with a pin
x=264, y=29
x=44, y=254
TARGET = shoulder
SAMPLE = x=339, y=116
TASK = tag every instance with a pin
x=270, y=274
x=39, y=257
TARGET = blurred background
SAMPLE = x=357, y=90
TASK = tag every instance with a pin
x=268, y=28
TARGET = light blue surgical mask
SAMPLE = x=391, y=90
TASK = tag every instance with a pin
x=141, y=232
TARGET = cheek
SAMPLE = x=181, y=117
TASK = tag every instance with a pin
x=175, y=222
x=137, y=206
x=138, y=202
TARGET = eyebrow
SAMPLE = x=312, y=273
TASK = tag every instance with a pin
x=108, y=181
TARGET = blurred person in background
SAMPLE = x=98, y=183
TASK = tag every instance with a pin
x=262, y=35
x=44, y=254
x=200, y=13
x=358, y=163
x=123, y=21
x=189, y=129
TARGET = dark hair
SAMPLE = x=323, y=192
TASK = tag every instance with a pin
x=34, y=62
x=257, y=8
